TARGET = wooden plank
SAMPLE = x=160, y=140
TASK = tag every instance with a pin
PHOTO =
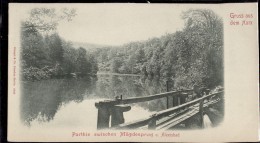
x=167, y=112
x=134, y=124
x=178, y=120
x=161, y=114
x=140, y=99
x=174, y=115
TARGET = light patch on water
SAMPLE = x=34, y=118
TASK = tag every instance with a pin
x=136, y=113
x=206, y=122
x=72, y=115
x=83, y=115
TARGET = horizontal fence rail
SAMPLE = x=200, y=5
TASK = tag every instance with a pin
x=140, y=99
x=167, y=112
x=151, y=121
x=115, y=108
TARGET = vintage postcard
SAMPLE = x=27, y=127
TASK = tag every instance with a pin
x=133, y=72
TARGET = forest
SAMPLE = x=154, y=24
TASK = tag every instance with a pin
x=46, y=55
x=193, y=55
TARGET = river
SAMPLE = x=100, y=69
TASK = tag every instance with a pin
x=70, y=102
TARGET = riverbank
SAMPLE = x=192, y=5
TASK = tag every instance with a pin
x=107, y=73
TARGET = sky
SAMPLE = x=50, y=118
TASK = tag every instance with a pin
x=116, y=24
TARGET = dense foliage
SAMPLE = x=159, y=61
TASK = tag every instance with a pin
x=45, y=55
x=191, y=56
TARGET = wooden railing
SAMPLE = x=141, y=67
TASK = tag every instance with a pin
x=115, y=109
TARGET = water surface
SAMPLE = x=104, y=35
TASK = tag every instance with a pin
x=70, y=102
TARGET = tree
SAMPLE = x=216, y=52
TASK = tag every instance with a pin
x=115, y=65
x=193, y=55
x=45, y=55
x=93, y=64
x=69, y=58
x=32, y=49
x=46, y=19
x=83, y=66
x=204, y=29
x=56, y=49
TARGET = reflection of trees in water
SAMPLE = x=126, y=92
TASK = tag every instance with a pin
x=75, y=89
x=109, y=86
x=42, y=99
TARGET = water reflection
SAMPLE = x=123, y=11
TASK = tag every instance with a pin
x=42, y=100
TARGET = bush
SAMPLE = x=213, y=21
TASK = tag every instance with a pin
x=33, y=73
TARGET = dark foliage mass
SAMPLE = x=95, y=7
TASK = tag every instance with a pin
x=191, y=56
x=45, y=55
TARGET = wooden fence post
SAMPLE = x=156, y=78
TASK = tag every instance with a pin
x=103, y=116
x=207, y=91
x=174, y=101
x=183, y=98
x=167, y=90
x=178, y=100
x=117, y=115
x=152, y=123
x=201, y=113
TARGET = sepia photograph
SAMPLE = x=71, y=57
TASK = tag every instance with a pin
x=165, y=65
x=131, y=72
